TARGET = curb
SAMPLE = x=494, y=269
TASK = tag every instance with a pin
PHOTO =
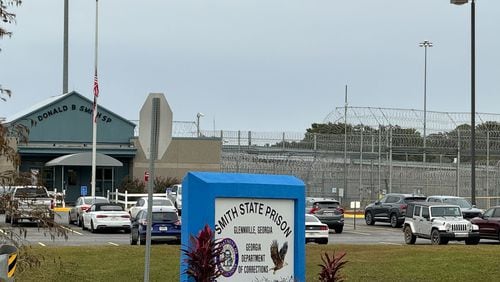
x=61, y=209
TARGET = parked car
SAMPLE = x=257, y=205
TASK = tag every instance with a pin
x=165, y=226
x=174, y=193
x=438, y=222
x=142, y=203
x=31, y=203
x=391, y=208
x=468, y=211
x=328, y=211
x=106, y=216
x=489, y=223
x=83, y=203
x=316, y=231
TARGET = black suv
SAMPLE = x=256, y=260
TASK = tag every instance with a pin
x=328, y=211
x=391, y=208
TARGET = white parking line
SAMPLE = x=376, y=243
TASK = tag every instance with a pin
x=71, y=230
x=360, y=233
x=114, y=244
x=41, y=244
x=389, y=243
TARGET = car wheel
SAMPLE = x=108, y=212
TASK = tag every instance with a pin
x=369, y=218
x=7, y=219
x=92, y=229
x=133, y=239
x=471, y=241
x=324, y=241
x=436, y=237
x=69, y=219
x=394, y=221
x=409, y=237
x=142, y=241
x=339, y=230
x=126, y=230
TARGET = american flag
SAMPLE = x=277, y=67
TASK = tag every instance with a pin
x=96, y=94
x=96, y=85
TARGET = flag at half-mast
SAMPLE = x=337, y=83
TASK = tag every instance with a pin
x=96, y=94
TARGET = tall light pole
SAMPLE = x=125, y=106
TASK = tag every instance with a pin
x=472, y=94
x=425, y=44
x=198, y=116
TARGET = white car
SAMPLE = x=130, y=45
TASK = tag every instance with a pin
x=315, y=230
x=106, y=216
x=142, y=203
x=75, y=214
x=174, y=193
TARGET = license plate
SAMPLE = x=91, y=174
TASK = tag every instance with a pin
x=163, y=228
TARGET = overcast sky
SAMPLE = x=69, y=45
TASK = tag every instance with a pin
x=260, y=65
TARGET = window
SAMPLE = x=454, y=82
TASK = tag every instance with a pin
x=425, y=212
x=110, y=208
x=489, y=213
x=165, y=216
x=496, y=213
x=416, y=212
x=392, y=199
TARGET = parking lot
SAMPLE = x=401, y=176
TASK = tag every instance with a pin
x=354, y=233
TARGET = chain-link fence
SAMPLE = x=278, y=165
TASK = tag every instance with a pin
x=371, y=160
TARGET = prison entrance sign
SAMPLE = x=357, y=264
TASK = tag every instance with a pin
x=259, y=220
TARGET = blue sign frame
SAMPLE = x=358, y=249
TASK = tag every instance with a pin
x=201, y=189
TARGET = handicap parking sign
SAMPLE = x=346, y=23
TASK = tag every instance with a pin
x=83, y=190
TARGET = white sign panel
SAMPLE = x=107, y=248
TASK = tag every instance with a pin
x=355, y=205
x=257, y=237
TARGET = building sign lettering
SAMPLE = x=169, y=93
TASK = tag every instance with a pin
x=65, y=108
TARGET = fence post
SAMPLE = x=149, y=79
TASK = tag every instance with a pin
x=390, y=159
x=487, y=167
x=239, y=152
x=283, y=140
x=457, y=192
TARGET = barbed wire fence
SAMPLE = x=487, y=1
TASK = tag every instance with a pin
x=383, y=152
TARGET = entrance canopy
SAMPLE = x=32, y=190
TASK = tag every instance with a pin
x=84, y=159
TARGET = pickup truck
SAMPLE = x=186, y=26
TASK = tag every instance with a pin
x=31, y=203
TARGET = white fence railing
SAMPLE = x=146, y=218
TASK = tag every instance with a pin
x=128, y=199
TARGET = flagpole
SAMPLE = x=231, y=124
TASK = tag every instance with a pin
x=94, y=111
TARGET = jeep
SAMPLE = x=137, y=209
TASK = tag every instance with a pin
x=438, y=222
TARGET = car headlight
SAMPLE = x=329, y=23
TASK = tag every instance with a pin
x=474, y=227
x=447, y=227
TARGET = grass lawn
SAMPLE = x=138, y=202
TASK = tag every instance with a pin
x=366, y=263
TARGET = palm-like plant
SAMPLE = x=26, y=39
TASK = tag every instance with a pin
x=331, y=266
x=202, y=255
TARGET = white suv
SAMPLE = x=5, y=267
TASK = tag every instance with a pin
x=468, y=211
x=438, y=222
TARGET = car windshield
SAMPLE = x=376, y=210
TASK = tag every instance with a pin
x=458, y=201
x=327, y=205
x=89, y=201
x=109, y=208
x=165, y=216
x=161, y=202
x=445, y=211
x=32, y=193
x=414, y=199
x=311, y=219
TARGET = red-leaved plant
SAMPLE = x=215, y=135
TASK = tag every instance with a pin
x=202, y=255
x=331, y=266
